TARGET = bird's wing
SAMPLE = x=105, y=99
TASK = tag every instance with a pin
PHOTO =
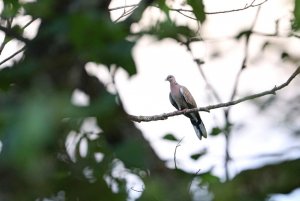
x=187, y=96
x=173, y=101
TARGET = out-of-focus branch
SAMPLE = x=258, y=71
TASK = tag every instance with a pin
x=12, y=56
x=122, y=7
x=252, y=5
x=126, y=12
x=14, y=34
x=182, y=10
x=28, y=23
x=175, y=151
x=8, y=28
x=5, y=40
x=227, y=129
x=211, y=107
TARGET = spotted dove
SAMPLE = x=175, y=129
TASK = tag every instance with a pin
x=181, y=99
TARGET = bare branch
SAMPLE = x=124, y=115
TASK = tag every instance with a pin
x=122, y=7
x=211, y=107
x=182, y=10
x=185, y=15
x=252, y=5
x=126, y=12
x=139, y=191
x=227, y=129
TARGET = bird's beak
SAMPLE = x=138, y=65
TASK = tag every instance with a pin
x=166, y=79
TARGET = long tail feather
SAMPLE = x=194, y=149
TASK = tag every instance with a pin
x=199, y=129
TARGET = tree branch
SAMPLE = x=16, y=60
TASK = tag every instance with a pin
x=14, y=34
x=211, y=107
x=252, y=5
x=13, y=55
x=8, y=29
x=5, y=41
x=227, y=130
x=181, y=10
x=175, y=151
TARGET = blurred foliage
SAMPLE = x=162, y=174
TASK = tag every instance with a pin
x=37, y=115
x=198, y=9
x=170, y=137
x=196, y=156
x=168, y=29
x=257, y=184
x=216, y=131
x=297, y=14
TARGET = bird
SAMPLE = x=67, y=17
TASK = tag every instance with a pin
x=181, y=98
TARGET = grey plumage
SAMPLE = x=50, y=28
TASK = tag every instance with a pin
x=181, y=99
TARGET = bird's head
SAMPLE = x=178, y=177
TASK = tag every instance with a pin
x=170, y=78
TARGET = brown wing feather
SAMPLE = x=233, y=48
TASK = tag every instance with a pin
x=188, y=97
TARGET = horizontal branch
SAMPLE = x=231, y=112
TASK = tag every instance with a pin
x=210, y=107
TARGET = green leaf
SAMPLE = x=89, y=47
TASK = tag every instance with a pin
x=170, y=137
x=216, y=131
x=297, y=15
x=198, y=155
x=163, y=6
x=198, y=9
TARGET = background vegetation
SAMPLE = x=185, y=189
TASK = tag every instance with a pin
x=37, y=114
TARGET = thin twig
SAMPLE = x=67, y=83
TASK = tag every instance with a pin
x=14, y=34
x=5, y=40
x=211, y=107
x=196, y=174
x=185, y=15
x=227, y=129
x=122, y=7
x=126, y=12
x=211, y=88
x=28, y=23
x=139, y=191
x=252, y=5
x=181, y=10
x=9, y=23
x=178, y=145
x=13, y=55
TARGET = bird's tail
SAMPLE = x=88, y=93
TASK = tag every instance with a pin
x=199, y=129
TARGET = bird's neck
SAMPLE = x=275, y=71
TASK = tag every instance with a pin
x=174, y=83
x=173, y=86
